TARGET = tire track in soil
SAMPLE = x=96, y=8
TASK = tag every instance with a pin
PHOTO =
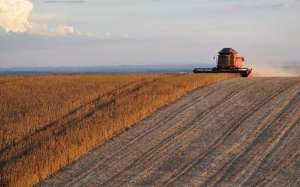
x=235, y=172
x=282, y=160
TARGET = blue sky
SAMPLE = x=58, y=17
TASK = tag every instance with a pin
x=118, y=32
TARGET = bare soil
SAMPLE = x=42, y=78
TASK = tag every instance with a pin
x=239, y=132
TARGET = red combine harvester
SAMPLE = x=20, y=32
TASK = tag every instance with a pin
x=229, y=61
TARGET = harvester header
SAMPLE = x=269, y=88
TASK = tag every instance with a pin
x=229, y=61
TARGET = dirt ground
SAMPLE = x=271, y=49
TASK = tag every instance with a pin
x=239, y=132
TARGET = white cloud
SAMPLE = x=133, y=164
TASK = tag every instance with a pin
x=64, y=30
x=14, y=15
x=15, y=18
x=44, y=29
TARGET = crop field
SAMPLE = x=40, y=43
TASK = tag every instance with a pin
x=237, y=132
x=47, y=122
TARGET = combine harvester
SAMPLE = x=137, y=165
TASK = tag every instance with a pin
x=229, y=61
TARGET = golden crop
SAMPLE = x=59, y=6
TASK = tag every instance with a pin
x=46, y=122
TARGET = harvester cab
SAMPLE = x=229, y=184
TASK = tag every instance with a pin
x=229, y=61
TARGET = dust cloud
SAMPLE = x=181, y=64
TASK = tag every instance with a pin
x=264, y=70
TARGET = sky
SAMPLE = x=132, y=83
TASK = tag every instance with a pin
x=43, y=33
